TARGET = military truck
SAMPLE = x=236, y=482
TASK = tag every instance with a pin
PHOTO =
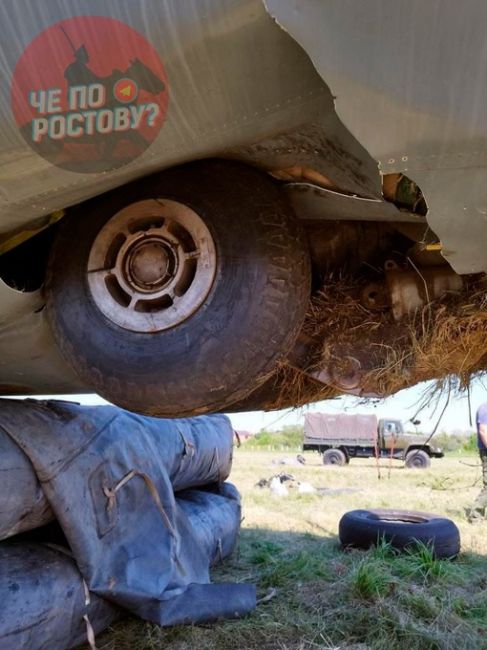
x=340, y=437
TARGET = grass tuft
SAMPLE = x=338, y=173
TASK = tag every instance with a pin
x=422, y=562
x=370, y=580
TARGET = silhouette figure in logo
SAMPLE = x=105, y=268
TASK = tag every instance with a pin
x=78, y=73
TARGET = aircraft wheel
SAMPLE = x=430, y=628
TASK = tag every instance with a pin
x=179, y=293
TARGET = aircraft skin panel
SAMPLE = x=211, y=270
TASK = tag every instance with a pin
x=232, y=77
x=410, y=82
x=30, y=362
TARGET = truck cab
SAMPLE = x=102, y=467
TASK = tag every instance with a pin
x=392, y=435
x=401, y=444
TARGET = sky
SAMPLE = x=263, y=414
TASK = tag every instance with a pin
x=402, y=406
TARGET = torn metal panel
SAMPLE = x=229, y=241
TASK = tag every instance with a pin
x=318, y=203
x=398, y=74
x=457, y=212
x=325, y=146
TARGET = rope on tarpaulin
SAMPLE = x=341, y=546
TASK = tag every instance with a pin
x=90, y=632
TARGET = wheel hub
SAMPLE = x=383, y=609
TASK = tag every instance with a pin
x=149, y=265
x=152, y=265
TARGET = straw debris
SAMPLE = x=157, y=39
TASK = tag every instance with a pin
x=366, y=352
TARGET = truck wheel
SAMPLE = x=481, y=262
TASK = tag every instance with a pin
x=401, y=529
x=417, y=459
x=334, y=457
x=179, y=293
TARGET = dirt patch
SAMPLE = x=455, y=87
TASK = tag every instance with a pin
x=317, y=596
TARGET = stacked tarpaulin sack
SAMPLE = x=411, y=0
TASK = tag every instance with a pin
x=140, y=510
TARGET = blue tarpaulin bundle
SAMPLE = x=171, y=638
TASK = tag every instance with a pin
x=143, y=507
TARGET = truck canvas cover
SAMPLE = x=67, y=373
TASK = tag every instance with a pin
x=331, y=426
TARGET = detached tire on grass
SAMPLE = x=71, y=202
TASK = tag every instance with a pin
x=400, y=528
x=178, y=294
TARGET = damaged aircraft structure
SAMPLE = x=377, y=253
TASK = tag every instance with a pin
x=226, y=205
x=210, y=206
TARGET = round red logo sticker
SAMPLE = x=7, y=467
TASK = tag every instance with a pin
x=89, y=94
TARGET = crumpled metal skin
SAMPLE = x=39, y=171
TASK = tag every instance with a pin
x=135, y=543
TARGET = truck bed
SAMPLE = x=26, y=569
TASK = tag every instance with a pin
x=339, y=429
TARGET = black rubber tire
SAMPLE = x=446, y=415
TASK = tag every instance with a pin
x=247, y=324
x=334, y=457
x=417, y=459
x=401, y=528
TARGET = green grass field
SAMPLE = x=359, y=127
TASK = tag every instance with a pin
x=325, y=598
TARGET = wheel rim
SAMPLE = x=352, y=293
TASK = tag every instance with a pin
x=152, y=265
x=334, y=459
x=417, y=461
